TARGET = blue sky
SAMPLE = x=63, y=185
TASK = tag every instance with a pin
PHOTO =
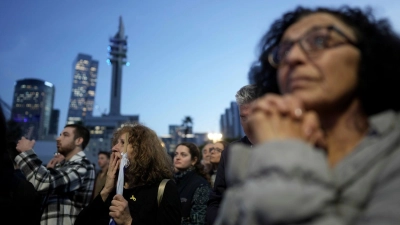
x=187, y=57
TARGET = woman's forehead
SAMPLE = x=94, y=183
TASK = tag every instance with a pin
x=123, y=135
x=309, y=22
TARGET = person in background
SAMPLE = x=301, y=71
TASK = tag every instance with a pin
x=148, y=165
x=215, y=158
x=193, y=183
x=67, y=188
x=19, y=202
x=101, y=176
x=245, y=96
x=205, y=160
x=327, y=145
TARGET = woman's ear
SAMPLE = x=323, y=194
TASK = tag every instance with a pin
x=194, y=161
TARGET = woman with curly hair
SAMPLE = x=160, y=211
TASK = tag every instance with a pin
x=148, y=164
x=193, y=183
x=328, y=147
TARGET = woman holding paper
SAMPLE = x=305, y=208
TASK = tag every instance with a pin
x=145, y=163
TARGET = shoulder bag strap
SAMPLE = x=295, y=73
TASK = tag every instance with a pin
x=161, y=188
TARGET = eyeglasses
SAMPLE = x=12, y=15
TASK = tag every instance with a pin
x=312, y=44
x=216, y=149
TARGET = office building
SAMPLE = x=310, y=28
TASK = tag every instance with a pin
x=83, y=88
x=230, y=126
x=32, y=107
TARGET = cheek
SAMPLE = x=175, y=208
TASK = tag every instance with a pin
x=281, y=80
x=343, y=74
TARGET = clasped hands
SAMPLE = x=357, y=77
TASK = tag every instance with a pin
x=276, y=117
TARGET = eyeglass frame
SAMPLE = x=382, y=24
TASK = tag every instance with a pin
x=302, y=38
x=217, y=149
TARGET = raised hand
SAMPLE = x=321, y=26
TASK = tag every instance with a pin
x=119, y=210
x=56, y=159
x=24, y=145
x=112, y=175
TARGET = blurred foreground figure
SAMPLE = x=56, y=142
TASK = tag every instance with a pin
x=328, y=147
x=19, y=201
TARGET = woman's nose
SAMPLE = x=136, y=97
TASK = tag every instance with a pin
x=115, y=148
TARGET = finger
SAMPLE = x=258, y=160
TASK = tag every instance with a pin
x=294, y=106
x=320, y=141
x=113, y=160
x=114, y=212
x=311, y=127
x=267, y=102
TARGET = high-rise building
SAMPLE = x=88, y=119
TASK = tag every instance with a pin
x=55, y=117
x=32, y=107
x=83, y=88
x=230, y=122
x=117, y=50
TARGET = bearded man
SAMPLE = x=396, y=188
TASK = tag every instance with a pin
x=67, y=186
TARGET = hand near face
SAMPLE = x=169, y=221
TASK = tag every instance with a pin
x=24, y=144
x=277, y=117
x=113, y=167
x=119, y=210
x=56, y=159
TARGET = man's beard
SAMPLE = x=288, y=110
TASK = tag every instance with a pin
x=64, y=150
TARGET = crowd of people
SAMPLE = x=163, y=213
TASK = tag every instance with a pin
x=321, y=144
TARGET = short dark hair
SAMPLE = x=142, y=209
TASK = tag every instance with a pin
x=379, y=68
x=80, y=132
x=107, y=154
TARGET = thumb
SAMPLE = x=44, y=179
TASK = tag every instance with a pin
x=118, y=197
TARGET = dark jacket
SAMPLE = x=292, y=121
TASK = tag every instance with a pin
x=143, y=206
x=194, y=191
x=20, y=203
x=220, y=184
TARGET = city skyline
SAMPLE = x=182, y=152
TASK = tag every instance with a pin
x=187, y=58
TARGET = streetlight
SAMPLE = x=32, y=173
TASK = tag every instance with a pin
x=214, y=137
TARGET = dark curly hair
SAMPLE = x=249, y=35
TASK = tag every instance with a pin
x=150, y=163
x=194, y=152
x=379, y=69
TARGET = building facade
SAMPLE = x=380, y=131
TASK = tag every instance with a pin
x=230, y=126
x=32, y=107
x=83, y=91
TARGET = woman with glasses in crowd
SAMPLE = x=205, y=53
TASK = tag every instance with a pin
x=148, y=164
x=215, y=157
x=329, y=149
x=193, y=183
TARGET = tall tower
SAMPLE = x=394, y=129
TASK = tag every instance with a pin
x=83, y=88
x=117, y=50
x=32, y=107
